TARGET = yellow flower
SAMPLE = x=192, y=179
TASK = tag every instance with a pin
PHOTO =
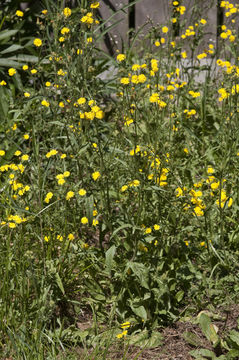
x=184, y=54
x=70, y=195
x=156, y=227
x=203, y=21
x=124, y=333
x=95, y=222
x=59, y=237
x=33, y=71
x=11, y=71
x=45, y=103
x=82, y=192
x=61, y=39
x=124, y=81
x=48, y=197
x=121, y=57
x=124, y=188
x=70, y=237
x=37, y=42
x=27, y=94
x=25, y=67
x=51, y=153
x=11, y=225
x=125, y=325
x=63, y=156
x=84, y=220
x=147, y=231
x=165, y=29
x=67, y=12
x=19, y=13
x=65, y=30
x=44, y=12
x=61, y=181
x=46, y=238
x=95, y=5
x=3, y=83
x=25, y=157
x=17, y=153
x=95, y=175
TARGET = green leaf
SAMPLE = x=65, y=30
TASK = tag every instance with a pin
x=144, y=340
x=234, y=336
x=179, y=295
x=59, y=283
x=9, y=63
x=198, y=354
x=192, y=339
x=141, y=272
x=109, y=256
x=7, y=33
x=139, y=311
x=89, y=204
x=208, y=329
x=11, y=48
x=124, y=226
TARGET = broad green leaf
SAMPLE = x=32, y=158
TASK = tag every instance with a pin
x=7, y=33
x=139, y=311
x=9, y=63
x=179, y=295
x=199, y=354
x=141, y=272
x=208, y=329
x=146, y=340
x=109, y=256
x=192, y=339
x=11, y=48
x=234, y=336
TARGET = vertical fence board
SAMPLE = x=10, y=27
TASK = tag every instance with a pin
x=118, y=34
x=155, y=10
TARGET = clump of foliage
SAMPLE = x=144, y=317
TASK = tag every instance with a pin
x=115, y=192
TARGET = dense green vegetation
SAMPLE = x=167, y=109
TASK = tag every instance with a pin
x=119, y=193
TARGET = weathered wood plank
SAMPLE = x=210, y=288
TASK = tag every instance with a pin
x=118, y=34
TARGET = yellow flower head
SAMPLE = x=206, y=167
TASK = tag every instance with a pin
x=67, y=12
x=19, y=13
x=96, y=175
x=11, y=71
x=37, y=42
x=84, y=220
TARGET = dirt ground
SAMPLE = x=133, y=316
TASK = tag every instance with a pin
x=175, y=347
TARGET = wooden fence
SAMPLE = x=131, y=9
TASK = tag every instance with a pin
x=158, y=12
